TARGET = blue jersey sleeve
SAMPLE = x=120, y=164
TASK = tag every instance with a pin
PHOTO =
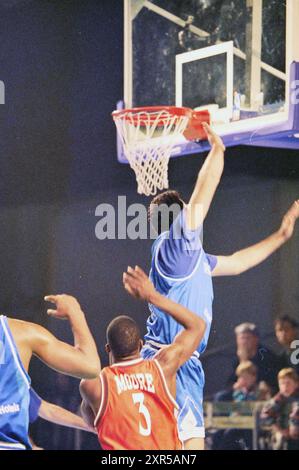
x=180, y=250
x=212, y=260
x=34, y=406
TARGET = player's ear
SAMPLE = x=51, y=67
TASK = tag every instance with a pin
x=140, y=344
x=107, y=348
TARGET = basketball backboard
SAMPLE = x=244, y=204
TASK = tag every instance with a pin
x=231, y=56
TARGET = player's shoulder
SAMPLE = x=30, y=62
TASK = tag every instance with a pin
x=167, y=358
x=28, y=332
x=140, y=366
x=90, y=388
x=21, y=326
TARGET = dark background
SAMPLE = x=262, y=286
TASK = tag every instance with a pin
x=62, y=65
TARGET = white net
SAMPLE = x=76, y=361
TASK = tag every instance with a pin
x=148, y=138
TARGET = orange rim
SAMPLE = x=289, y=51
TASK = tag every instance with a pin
x=134, y=115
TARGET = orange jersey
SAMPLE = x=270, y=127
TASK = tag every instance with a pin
x=137, y=411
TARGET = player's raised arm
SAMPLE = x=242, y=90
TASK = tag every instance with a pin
x=247, y=258
x=207, y=181
x=80, y=360
x=186, y=342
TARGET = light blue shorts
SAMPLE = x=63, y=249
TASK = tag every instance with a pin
x=190, y=382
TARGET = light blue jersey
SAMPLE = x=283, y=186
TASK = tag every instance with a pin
x=189, y=283
x=14, y=394
x=181, y=271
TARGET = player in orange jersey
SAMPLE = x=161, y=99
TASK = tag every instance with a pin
x=132, y=403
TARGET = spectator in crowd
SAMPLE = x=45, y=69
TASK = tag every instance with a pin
x=282, y=413
x=246, y=388
x=249, y=348
x=286, y=330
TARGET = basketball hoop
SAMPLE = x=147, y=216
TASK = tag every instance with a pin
x=149, y=135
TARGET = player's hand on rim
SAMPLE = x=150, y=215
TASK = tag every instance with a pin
x=66, y=305
x=137, y=283
x=213, y=138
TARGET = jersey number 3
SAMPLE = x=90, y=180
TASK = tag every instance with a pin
x=138, y=398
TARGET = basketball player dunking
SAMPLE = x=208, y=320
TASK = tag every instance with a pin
x=19, y=340
x=182, y=271
x=132, y=404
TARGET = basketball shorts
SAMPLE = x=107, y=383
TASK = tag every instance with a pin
x=189, y=395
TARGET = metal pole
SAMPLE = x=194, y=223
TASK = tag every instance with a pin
x=255, y=427
x=128, y=55
x=253, y=53
x=292, y=39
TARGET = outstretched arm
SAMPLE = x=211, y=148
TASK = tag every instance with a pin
x=185, y=343
x=57, y=415
x=247, y=258
x=80, y=360
x=207, y=181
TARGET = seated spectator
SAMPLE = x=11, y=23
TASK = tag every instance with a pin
x=249, y=348
x=246, y=388
x=282, y=413
x=286, y=330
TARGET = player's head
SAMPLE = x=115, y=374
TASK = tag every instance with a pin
x=163, y=210
x=123, y=339
x=288, y=381
x=247, y=374
x=285, y=330
x=247, y=337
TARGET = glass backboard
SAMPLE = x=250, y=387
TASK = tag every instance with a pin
x=232, y=57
